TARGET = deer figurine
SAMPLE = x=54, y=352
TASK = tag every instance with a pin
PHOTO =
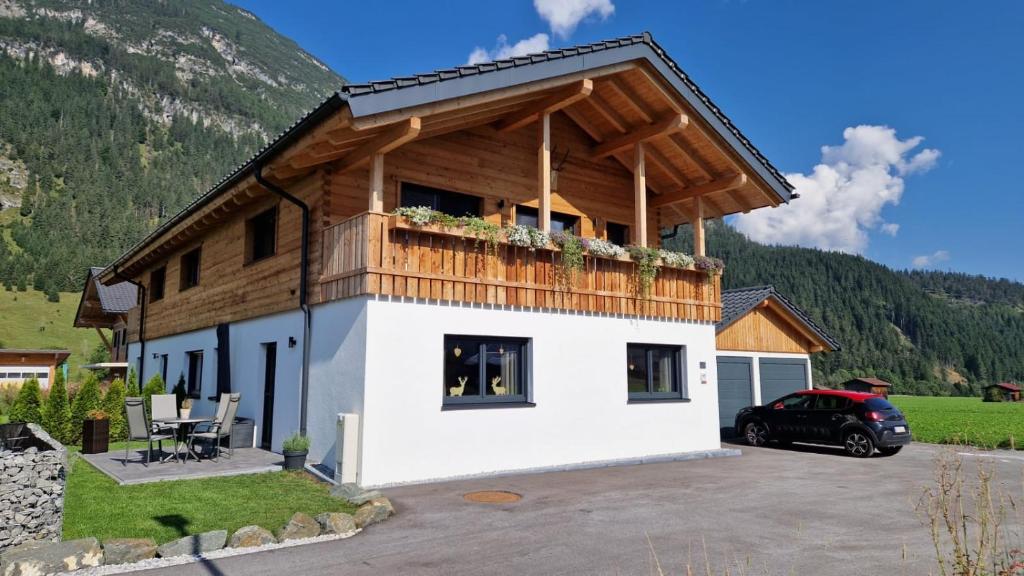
x=457, y=390
x=498, y=390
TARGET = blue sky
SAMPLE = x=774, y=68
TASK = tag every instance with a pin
x=793, y=76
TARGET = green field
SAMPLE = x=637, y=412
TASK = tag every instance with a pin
x=27, y=320
x=953, y=420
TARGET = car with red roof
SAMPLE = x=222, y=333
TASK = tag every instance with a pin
x=859, y=422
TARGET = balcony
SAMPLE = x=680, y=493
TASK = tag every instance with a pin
x=382, y=254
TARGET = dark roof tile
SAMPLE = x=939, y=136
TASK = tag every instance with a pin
x=737, y=302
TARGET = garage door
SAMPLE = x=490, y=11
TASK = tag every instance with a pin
x=780, y=376
x=734, y=389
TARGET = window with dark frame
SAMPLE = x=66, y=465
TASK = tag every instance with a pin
x=485, y=370
x=655, y=372
x=190, y=269
x=617, y=233
x=163, y=367
x=261, y=236
x=157, y=280
x=194, y=380
x=451, y=203
x=527, y=216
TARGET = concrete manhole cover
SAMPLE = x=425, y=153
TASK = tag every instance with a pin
x=493, y=497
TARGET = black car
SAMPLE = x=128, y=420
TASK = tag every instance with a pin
x=858, y=422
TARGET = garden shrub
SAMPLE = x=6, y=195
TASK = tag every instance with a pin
x=28, y=405
x=155, y=385
x=87, y=399
x=113, y=405
x=57, y=411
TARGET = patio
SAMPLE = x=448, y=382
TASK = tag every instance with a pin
x=244, y=461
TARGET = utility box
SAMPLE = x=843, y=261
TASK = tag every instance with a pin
x=346, y=469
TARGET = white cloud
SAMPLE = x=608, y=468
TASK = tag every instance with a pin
x=929, y=260
x=564, y=15
x=842, y=199
x=502, y=49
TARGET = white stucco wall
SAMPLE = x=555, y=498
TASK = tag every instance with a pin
x=756, y=368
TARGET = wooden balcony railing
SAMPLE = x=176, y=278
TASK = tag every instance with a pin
x=375, y=253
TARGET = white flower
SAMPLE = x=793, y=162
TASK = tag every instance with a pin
x=606, y=249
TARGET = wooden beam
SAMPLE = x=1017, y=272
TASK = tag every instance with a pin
x=716, y=209
x=698, y=227
x=614, y=118
x=666, y=165
x=685, y=149
x=561, y=99
x=386, y=141
x=641, y=107
x=667, y=125
x=106, y=341
x=639, y=196
x=727, y=182
x=738, y=200
x=377, y=183
x=544, y=172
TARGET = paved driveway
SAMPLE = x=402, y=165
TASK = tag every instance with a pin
x=770, y=511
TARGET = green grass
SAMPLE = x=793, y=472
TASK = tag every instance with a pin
x=30, y=321
x=96, y=506
x=963, y=420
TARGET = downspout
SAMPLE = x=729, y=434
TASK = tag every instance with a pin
x=307, y=314
x=142, y=322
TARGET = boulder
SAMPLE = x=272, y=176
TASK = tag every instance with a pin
x=336, y=523
x=128, y=550
x=51, y=557
x=194, y=544
x=374, y=511
x=354, y=494
x=299, y=526
x=249, y=536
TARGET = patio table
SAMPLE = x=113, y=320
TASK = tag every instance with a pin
x=184, y=428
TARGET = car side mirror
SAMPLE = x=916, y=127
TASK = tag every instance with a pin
x=777, y=406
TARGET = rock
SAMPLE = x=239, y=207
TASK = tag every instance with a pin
x=336, y=523
x=354, y=494
x=194, y=544
x=300, y=526
x=128, y=550
x=374, y=511
x=249, y=536
x=46, y=558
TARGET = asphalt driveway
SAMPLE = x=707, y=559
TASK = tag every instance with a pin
x=770, y=511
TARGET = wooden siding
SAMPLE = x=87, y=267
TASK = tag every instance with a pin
x=763, y=330
x=374, y=253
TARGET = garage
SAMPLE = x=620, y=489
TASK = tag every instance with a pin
x=780, y=376
x=735, y=388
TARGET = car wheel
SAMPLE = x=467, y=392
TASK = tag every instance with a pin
x=756, y=433
x=890, y=451
x=858, y=444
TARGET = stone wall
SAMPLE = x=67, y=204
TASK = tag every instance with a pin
x=32, y=476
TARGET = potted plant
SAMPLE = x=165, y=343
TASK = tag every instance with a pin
x=95, y=432
x=295, y=449
x=186, y=408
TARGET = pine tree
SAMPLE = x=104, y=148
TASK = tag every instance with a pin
x=132, y=387
x=57, y=412
x=86, y=400
x=155, y=385
x=113, y=405
x=28, y=405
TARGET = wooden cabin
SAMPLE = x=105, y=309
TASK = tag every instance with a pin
x=20, y=364
x=1005, y=391
x=868, y=385
x=104, y=308
x=293, y=281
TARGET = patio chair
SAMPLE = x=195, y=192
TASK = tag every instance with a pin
x=219, y=429
x=139, y=429
x=165, y=407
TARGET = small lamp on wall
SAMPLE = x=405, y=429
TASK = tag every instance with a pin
x=292, y=342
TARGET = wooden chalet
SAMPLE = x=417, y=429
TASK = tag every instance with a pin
x=1007, y=391
x=869, y=385
x=106, y=307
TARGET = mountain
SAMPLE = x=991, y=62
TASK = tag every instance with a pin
x=926, y=332
x=116, y=113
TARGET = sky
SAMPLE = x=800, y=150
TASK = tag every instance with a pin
x=898, y=122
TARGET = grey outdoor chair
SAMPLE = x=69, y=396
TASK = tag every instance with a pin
x=219, y=429
x=165, y=407
x=139, y=429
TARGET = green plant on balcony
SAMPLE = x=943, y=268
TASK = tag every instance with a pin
x=484, y=231
x=572, y=248
x=710, y=265
x=647, y=264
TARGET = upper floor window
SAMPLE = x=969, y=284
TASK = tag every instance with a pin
x=261, y=235
x=189, y=269
x=654, y=372
x=526, y=216
x=617, y=233
x=482, y=369
x=446, y=201
x=157, y=279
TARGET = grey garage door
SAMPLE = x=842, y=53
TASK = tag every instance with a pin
x=734, y=389
x=780, y=376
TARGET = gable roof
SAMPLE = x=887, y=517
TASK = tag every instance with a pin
x=871, y=382
x=114, y=299
x=59, y=355
x=737, y=302
x=1006, y=386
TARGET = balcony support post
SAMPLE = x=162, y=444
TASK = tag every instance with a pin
x=639, y=195
x=544, y=172
x=377, y=183
x=698, y=226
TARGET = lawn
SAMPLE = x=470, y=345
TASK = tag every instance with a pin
x=29, y=321
x=97, y=506
x=963, y=420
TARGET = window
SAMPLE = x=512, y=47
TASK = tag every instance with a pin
x=480, y=370
x=526, y=216
x=117, y=339
x=194, y=382
x=157, y=279
x=261, y=236
x=654, y=372
x=162, y=363
x=796, y=402
x=829, y=402
x=452, y=203
x=617, y=233
x=189, y=269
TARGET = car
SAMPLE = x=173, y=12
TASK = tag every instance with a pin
x=859, y=422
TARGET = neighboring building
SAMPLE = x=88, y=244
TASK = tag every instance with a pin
x=764, y=350
x=1005, y=390
x=869, y=385
x=107, y=307
x=460, y=357
x=18, y=365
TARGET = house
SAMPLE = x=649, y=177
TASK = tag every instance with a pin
x=104, y=306
x=869, y=385
x=20, y=364
x=1006, y=391
x=764, y=344
x=410, y=352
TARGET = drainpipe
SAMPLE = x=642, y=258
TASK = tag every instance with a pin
x=307, y=314
x=142, y=322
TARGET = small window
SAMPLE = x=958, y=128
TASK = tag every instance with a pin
x=617, y=233
x=654, y=372
x=157, y=279
x=480, y=370
x=163, y=367
x=452, y=203
x=830, y=402
x=527, y=216
x=797, y=402
x=42, y=375
x=261, y=236
x=117, y=339
x=194, y=383
x=190, y=269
